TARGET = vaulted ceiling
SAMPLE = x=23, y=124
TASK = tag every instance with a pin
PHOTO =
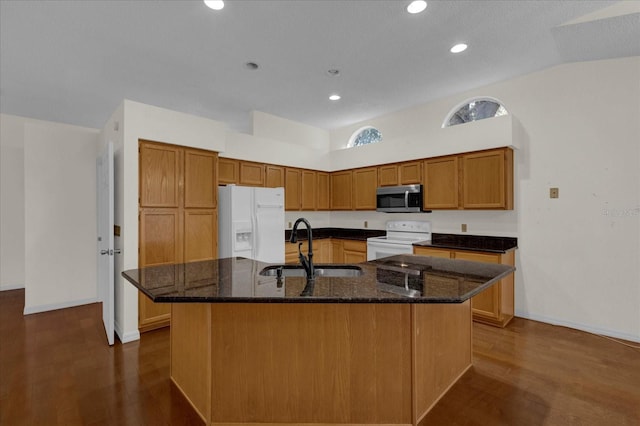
x=75, y=61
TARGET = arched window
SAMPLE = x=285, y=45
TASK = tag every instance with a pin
x=473, y=110
x=364, y=136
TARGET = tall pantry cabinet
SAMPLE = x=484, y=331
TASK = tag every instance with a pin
x=178, y=217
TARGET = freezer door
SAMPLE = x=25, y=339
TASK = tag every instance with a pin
x=269, y=225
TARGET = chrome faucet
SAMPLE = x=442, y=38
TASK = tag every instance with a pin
x=307, y=262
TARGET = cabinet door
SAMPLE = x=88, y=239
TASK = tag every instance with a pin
x=200, y=235
x=291, y=253
x=488, y=179
x=160, y=175
x=440, y=185
x=309, y=190
x=200, y=179
x=354, y=251
x=341, y=185
x=323, y=195
x=410, y=173
x=388, y=175
x=251, y=174
x=160, y=244
x=365, y=182
x=323, y=253
x=337, y=250
x=487, y=303
x=274, y=176
x=292, y=188
x=228, y=171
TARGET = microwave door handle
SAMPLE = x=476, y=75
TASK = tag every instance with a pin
x=406, y=199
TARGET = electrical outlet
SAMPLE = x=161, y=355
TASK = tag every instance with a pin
x=463, y=227
x=366, y=224
x=554, y=193
x=289, y=224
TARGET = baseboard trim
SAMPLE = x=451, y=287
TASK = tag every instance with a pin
x=11, y=287
x=578, y=326
x=125, y=337
x=28, y=310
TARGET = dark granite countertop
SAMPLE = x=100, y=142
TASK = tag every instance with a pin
x=343, y=233
x=395, y=279
x=471, y=242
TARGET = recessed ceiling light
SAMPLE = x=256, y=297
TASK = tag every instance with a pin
x=334, y=97
x=334, y=71
x=214, y=4
x=251, y=66
x=461, y=47
x=417, y=6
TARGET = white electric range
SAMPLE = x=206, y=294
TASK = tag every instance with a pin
x=401, y=234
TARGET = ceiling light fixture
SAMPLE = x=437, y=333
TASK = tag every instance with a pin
x=251, y=66
x=461, y=47
x=334, y=97
x=214, y=4
x=416, y=6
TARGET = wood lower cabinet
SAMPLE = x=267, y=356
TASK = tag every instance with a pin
x=322, y=251
x=495, y=305
x=178, y=219
x=349, y=251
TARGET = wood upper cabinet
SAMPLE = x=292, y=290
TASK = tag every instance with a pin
x=178, y=219
x=228, y=171
x=309, y=190
x=388, y=175
x=440, y=185
x=487, y=179
x=495, y=305
x=292, y=188
x=274, y=176
x=160, y=174
x=251, y=174
x=323, y=195
x=341, y=190
x=365, y=182
x=410, y=172
x=200, y=182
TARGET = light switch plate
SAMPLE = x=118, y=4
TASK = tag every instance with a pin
x=463, y=227
x=554, y=193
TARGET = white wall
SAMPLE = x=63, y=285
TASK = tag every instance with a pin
x=578, y=129
x=60, y=215
x=11, y=202
x=269, y=126
x=140, y=121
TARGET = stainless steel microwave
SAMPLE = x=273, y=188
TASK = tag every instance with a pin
x=399, y=199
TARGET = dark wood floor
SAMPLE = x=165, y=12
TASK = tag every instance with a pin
x=57, y=369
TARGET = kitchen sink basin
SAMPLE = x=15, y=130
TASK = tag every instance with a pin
x=343, y=271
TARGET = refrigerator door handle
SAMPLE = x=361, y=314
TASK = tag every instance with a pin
x=270, y=206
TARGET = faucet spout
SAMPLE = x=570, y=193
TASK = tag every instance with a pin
x=306, y=262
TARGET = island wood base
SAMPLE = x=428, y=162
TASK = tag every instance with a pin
x=340, y=363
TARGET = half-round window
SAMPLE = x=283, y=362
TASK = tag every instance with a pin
x=474, y=110
x=364, y=136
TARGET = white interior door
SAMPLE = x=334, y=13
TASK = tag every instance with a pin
x=106, y=269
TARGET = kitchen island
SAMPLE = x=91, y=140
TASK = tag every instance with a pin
x=249, y=346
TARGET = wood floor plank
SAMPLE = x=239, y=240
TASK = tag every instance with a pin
x=57, y=369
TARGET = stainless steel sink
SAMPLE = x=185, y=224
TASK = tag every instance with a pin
x=343, y=271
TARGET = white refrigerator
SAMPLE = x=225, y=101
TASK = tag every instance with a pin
x=251, y=223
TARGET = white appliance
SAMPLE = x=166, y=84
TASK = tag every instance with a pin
x=401, y=234
x=251, y=223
